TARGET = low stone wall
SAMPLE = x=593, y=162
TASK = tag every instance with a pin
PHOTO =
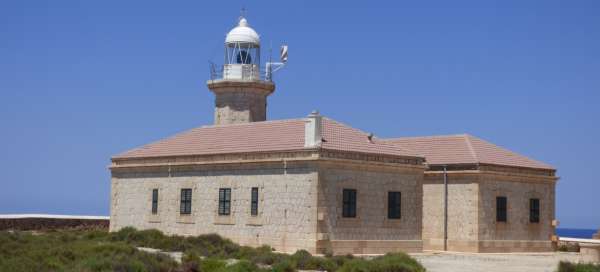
x=46, y=223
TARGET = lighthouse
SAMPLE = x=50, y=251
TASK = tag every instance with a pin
x=240, y=86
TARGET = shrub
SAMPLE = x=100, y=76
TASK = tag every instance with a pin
x=74, y=251
x=569, y=247
x=212, y=264
x=241, y=266
x=267, y=257
x=392, y=262
x=340, y=260
x=93, y=250
x=571, y=267
x=285, y=265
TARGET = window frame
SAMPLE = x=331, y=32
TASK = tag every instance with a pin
x=224, y=207
x=154, y=207
x=349, y=203
x=254, y=201
x=501, y=209
x=394, y=205
x=185, y=201
x=534, y=210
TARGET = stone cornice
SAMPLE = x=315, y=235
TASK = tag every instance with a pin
x=483, y=174
x=268, y=157
x=228, y=85
x=495, y=168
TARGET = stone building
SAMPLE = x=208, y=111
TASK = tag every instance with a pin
x=317, y=184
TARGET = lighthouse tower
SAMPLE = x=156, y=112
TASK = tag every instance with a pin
x=240, y=88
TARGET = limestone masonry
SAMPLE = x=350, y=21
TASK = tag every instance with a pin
x=317, y=184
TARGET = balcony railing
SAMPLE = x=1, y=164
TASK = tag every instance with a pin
x=249, y=72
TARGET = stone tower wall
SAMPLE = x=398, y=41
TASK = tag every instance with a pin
x=240, y=101
x=240, y=107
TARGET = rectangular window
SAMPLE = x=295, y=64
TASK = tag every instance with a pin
x=394, y=205
x=501, y=209
x=534, y=210
x=154, y=201
x=224, y=201
x=185, y=206
x=254, y=202
x=349, y=203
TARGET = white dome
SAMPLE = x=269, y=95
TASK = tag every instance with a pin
x=243, y=34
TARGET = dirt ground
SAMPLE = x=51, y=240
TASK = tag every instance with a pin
x=493, y=262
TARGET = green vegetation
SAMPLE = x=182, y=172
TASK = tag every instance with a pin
x=569, y=247
x=571, y=267
x=95, y=250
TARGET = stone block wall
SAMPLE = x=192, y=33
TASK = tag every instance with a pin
x=287, y=203
x=370, y=232
x=46, y=223
x=462, y=211
x=472, y=225
x=518, y=233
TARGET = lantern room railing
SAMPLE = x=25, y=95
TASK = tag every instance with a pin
x=247, y=72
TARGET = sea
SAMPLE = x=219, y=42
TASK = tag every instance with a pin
x=576, y=233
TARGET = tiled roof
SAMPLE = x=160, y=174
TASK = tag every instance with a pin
x=268, y=136
x=338, y=136
x=465, y=149
x=239, y=138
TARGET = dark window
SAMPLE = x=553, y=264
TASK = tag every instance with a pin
x=394, y=205
x=349, y=203
x=501, y=209
x=154, y=201
x=254, y=202
x=224, y=201
x=534, y=210
x=185, y=206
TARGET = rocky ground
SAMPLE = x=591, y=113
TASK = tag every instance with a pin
x=494, y=262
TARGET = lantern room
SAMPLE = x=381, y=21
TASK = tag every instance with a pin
x=242, y=53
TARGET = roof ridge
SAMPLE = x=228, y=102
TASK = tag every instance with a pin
x=425, y=137
x=346, y=125
x=379, y=141
x=514, y=153
x=467, y=138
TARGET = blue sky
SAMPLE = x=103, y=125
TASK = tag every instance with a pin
x=83, y=80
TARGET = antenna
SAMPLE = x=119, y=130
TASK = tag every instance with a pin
x=278, y=65
x=243, y=12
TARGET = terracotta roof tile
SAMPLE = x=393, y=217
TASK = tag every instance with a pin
x=465, y=149
x=338, y=136
x=239, y=138
x=282, y=135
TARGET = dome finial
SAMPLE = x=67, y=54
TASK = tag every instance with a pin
x=243, y=22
